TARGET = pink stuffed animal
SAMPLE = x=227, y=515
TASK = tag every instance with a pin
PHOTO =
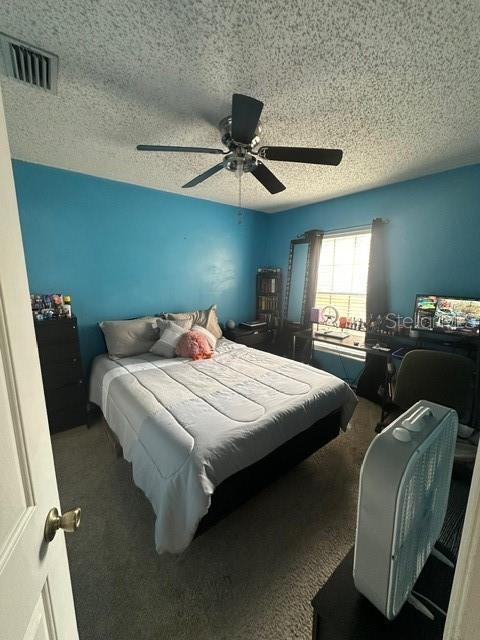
x=193, y=345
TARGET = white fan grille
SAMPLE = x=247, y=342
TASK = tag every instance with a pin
x=421, y=502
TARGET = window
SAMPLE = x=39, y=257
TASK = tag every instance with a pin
x=343, y=273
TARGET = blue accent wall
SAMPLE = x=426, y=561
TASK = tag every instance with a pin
x=122, y=250
x=433, y=239
x=433, y=235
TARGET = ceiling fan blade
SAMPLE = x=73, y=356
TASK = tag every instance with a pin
x=203, y=176
x=245, y=115
x=159, y=147
x=266, y=177
x=302, y=154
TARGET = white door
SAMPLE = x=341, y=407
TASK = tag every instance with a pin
x=35, y=592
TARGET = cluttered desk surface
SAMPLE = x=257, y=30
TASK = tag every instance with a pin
x=387, y=344
x=345, y=338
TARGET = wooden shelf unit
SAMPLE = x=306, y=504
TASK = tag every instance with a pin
x=268, y=299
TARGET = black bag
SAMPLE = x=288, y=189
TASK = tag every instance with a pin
x=372, y=379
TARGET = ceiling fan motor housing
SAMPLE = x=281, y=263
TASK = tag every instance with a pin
x=225, y=127
x=239, y=159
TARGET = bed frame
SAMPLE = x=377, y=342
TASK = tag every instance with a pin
x=241, y=486
x=237, y=489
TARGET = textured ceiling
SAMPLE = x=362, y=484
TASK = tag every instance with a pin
x=395, y=84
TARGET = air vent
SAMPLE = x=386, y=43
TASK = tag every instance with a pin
x=29, y=64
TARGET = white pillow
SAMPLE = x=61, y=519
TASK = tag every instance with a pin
x=211, y=339
x=169, y=337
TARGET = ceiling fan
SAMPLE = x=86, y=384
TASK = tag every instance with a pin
x=241, y=135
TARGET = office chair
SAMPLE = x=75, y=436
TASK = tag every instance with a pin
x=438, y=376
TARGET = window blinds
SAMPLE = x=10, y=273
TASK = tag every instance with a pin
x=343, y=273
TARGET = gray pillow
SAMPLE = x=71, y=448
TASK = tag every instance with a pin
x=178, y=317
x=129, y=337
x=204, y=317
x=160, y=324
x=208, y=319
x=165, y=346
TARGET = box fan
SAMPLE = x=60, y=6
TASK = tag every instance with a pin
x=403, y=495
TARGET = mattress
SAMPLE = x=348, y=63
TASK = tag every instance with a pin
x=186, y=425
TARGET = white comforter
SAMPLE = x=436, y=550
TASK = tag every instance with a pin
x=185, y=426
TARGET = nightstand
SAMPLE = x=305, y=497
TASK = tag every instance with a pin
x=256, y=338
x=62, y=372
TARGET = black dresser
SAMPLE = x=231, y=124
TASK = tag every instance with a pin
x=62, y=372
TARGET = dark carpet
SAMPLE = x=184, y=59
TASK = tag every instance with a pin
x=252, y=576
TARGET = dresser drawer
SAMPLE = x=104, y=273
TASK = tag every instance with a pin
x=58, y=353
x=67, y=418
x=61, y=374
x=255, y=339
x=56, y=331
x=65, y=397
x=250, y=338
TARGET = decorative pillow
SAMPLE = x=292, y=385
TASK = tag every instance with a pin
x=169, y=337
x=128, y=337
x=204, y=317
x=209, y=320
x=160, y=324
x=176, y=317
x=194, y=345
x=211, y=339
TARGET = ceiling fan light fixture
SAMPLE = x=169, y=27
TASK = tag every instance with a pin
x=239, y=163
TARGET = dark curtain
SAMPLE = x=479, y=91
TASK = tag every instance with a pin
x=377, y=286
x=314, y=239
x=372, y=380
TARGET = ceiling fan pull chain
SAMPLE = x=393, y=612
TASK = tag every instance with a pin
x=240, y=211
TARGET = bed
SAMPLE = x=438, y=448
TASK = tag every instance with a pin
x=203, y=435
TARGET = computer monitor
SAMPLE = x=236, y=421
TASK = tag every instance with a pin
x=447, y=315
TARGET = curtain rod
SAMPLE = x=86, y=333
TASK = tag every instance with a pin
x=365, y=228
x=358, y=226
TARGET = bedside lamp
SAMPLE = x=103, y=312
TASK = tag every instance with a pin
x=316, y=316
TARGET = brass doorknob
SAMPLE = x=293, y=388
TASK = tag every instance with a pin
x=69, y=522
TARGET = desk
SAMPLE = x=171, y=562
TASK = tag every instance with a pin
x=425, y=340
x=354, y=342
